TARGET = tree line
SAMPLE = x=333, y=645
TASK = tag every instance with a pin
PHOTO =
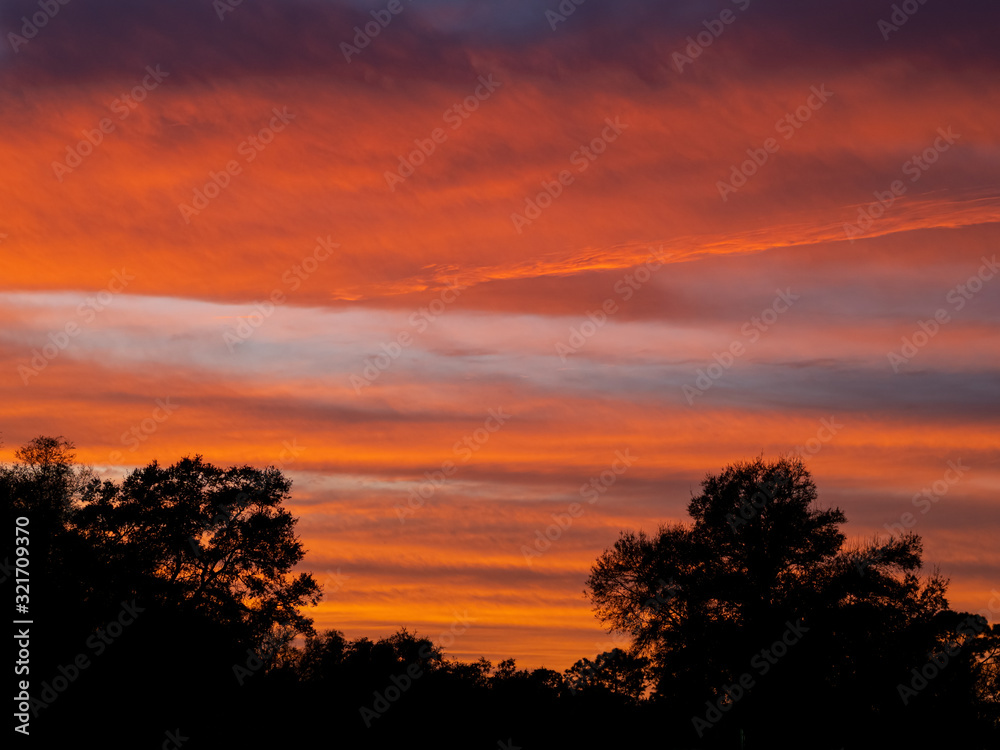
x=166, y=606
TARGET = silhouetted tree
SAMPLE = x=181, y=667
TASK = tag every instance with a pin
x=207, y=555
x=761, y=565
x=475, y=673
x=986, y=670
x=45, y=486
x=207, y=540
x=322, y=656
x=616, y=672
x=199, y=557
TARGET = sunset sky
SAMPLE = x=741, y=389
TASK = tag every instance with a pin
x=446, y=276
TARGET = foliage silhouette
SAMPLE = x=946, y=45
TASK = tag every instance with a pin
x=206, y=540
x=202, y=554
x=617, y=672
x=760, y=566
x=206, y=554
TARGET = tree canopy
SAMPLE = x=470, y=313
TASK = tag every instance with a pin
x=191, y=537
x=755, y=624
x=762, y=568
x=215, y=541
